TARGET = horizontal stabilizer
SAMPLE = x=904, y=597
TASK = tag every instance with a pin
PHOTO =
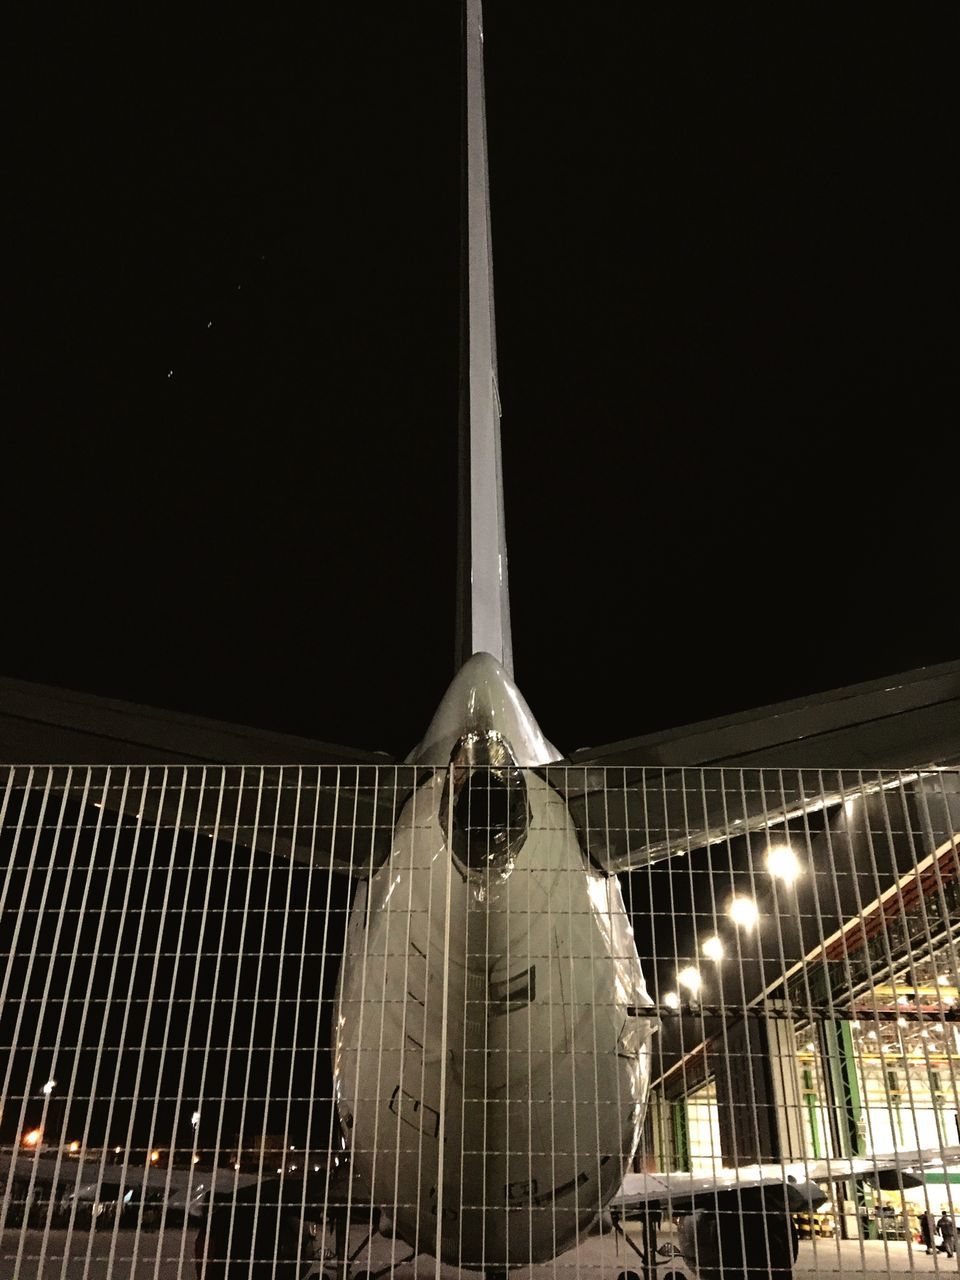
x=894, y=723
x=40, y=724
x=334, y=817
x=630, y=818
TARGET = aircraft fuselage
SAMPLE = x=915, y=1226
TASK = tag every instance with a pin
x=492, y=1054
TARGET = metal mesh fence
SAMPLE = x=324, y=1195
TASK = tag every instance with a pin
x=302, y=1021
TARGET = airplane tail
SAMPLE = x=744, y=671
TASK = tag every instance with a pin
x=483, y=598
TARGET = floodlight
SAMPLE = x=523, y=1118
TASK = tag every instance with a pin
x=690, y=978
x=712, y=948
x=782, y=863
x=743, y=912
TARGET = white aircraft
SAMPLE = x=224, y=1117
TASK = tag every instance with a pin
x=493, y=1037
x=493, y=1040
x=494, y=1029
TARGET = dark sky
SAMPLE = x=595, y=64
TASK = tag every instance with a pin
x=725, y=250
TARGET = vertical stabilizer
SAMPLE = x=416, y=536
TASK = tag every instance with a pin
x=483, y=599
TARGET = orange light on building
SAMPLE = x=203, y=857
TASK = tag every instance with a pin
x=32, y=1137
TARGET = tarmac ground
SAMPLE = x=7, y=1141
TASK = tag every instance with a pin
x=168, y=1255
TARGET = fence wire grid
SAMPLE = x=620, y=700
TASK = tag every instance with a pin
x=402, y=1021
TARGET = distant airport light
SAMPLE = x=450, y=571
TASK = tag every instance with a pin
x=712, y=948
x=49, y=1087
x=154, y=1157
x=672, y=1000
x=32, y=1137
x=690, y=978
x=782, y=863
x=74, y=1148
x=743, y=912
x=195, y=1119
x=196, y=1159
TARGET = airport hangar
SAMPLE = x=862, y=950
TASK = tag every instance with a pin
x=836, y=1032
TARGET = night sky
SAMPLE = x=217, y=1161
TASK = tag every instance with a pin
x=726, y=272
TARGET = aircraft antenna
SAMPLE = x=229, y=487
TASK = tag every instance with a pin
x=483, y=599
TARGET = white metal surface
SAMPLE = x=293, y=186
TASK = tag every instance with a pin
x=484, y=582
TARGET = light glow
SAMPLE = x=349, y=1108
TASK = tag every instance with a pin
x=712, y=948
x=743, y=912
x=672, y=1000
x=690, y=978
x=782, y=863
x=32, y=1137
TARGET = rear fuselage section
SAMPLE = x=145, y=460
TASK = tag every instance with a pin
x=492, y=1052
